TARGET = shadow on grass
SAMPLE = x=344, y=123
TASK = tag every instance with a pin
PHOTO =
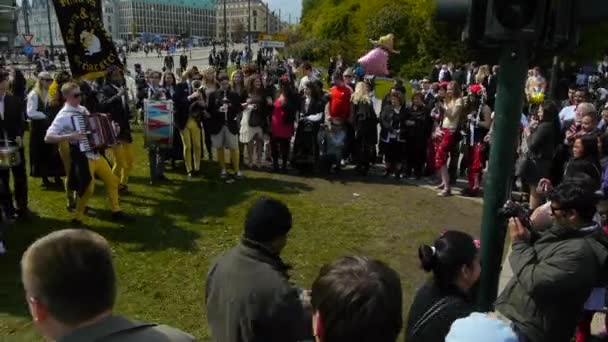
x=18, y=238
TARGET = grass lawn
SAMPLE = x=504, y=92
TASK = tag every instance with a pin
x=163, y=258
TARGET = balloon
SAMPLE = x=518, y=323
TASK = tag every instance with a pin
x=375, y=62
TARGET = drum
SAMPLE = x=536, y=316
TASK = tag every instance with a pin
x=9, y=155
x=158, y=123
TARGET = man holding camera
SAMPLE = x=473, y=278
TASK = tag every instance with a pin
x=555, y=271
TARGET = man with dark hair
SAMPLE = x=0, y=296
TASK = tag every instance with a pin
x=70, y=287
x=555, y=270
x=357, y=299
x=248, y=294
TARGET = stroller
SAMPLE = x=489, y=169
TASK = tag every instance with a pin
x=332, y=142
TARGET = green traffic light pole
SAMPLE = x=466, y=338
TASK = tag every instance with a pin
x=509, y=103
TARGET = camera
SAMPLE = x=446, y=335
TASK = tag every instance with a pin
x=515, y=210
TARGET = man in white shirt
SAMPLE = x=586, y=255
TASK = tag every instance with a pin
x=85, y=165
x=567, y=114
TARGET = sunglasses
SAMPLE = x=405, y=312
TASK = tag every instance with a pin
x=47, y=79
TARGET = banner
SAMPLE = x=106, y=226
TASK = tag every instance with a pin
x=158, y=123
x=89, y=46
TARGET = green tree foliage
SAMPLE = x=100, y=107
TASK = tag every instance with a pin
x=345, y=27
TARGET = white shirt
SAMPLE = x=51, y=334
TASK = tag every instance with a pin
x=62, y=124
x=303, y=82
x=567, y=114
x=32, y=107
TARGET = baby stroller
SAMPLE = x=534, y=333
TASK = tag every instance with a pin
x=332, y=142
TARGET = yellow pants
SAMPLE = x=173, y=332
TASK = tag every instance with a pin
x=101, y=169
x=191, y=138
x=66, y=159
x=234, y=157
x=124, y=161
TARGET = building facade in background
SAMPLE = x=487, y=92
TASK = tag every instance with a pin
x=37, y=17
x=111, y=20
x=8, y=17
x=262, y=19
x=166, y=18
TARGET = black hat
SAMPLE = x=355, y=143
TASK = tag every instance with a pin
x=267, y=220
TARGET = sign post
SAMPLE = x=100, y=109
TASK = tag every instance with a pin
x=268, y=40
x=28, y=49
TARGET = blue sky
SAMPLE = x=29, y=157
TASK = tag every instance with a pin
x=287, y=6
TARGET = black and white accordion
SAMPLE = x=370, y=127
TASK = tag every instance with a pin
x=99, y=130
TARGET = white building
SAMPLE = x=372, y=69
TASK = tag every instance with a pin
x=38, y=18
x=111, y=19
x=188, y=18
x=262, y=18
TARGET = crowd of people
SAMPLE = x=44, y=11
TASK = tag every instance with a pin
x=265, y=115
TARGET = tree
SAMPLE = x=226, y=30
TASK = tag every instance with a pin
x=238, y=32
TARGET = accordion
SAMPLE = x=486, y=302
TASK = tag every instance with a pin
x=99, y=130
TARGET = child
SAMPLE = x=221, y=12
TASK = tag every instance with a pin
x=332, y=141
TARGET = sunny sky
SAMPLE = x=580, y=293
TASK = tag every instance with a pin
x=293, y=7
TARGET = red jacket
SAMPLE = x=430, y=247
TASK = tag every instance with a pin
x=339, y=104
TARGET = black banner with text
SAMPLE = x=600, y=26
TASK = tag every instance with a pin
x=89, y=46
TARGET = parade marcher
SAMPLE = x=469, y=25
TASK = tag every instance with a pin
x=11, y=128
x=156, y=154
x=237, y=85
x=225, y=106
x=418, y=130
x=169, y=62
x=255, y=121
x=365, y=122
x=339, y=107
x=392, y=134
x=478, y=123
x=210, y=86
x=283, y=119
x=308, y=77
x=183, y=61
x=115, y=101
x=452, y=112
x=44, y=158
x=85, y=166
x=312, y=116
x=192, y=103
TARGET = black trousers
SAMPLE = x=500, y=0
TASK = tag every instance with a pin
x=279, y=145
x=20, y=185
x=415, y=155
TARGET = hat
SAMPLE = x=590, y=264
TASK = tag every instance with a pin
x=480, y=327
x=267, y=220
x=476, y=89
x=44, y=76
x=348, y=72
x=387, y=42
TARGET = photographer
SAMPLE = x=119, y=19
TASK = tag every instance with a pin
x=555, y=273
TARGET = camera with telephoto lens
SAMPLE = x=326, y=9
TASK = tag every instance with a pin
x=515, y=210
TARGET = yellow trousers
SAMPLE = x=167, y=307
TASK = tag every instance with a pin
x=191, y=138
x=234, y=157
x=124, y=160
x=66, y=159
x=101, y=169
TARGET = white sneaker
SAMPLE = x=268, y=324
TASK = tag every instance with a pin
x=239, y=175
x=224, y=174
x=2, y=248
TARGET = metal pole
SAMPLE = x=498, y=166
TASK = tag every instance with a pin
x=554, y=80
x=509, y=102
x=267, y=18
x=48, y=16
x=249, y=24
x=225, y=31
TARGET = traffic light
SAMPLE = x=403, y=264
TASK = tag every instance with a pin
x=551, y=24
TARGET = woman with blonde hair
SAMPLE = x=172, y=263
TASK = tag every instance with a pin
x=482, y=76
x=44, y=158
x=255, y=121
x=365, y=123
x=210, y=85
x=452, y=110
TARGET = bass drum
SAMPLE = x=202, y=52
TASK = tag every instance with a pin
x=10, y=155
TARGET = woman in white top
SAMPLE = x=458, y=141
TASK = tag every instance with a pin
x=452, y=110
x=44, y=158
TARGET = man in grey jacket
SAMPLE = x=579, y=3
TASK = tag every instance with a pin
x=555, y=271
x=248, y=293
x=70, y=287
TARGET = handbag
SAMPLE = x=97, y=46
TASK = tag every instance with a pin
x=526, y=167
x=431, y=313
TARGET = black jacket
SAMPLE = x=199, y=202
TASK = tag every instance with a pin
x=183, y=61
x=435, y=329
x=181, y=105
x=365, y=123
x=112, y=104
x=249, y=298
x=218, y=118
x=393, y=123
x=13, y=123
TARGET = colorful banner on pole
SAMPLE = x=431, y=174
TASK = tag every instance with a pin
x=89, y=46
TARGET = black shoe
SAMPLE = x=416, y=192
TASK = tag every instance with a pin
x=59, y=181
x=119, y=216
x=190, y=175
x=123, y=189
x=23, y=215
x=47, y=183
